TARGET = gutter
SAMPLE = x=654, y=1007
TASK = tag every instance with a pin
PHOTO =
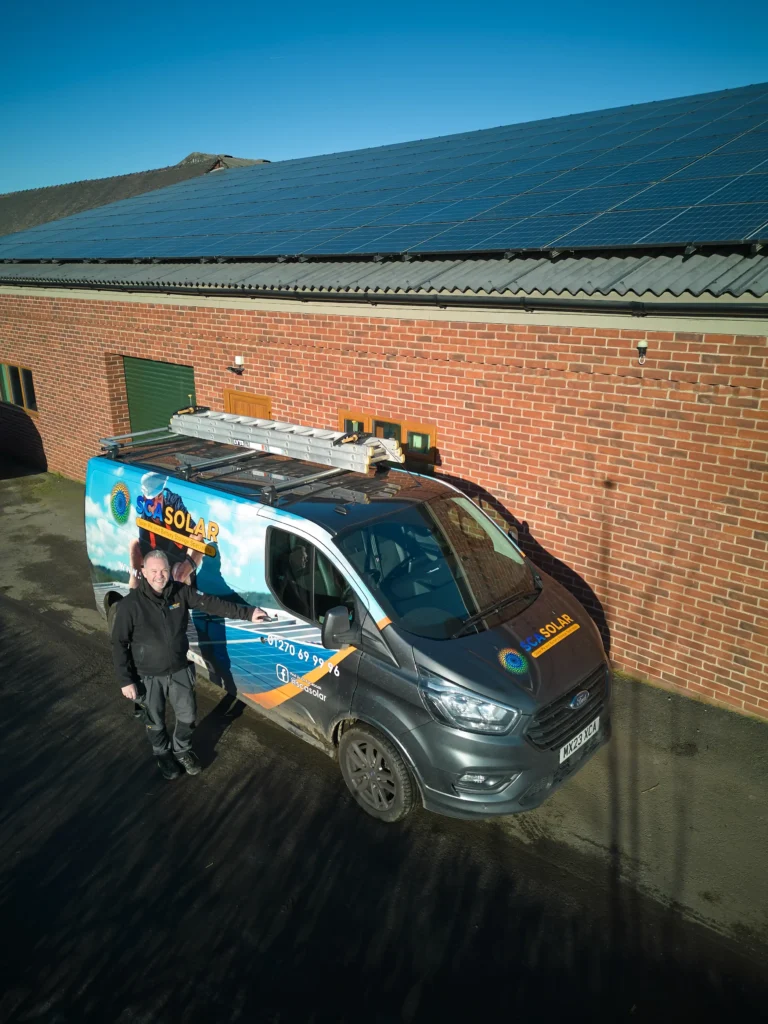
x=730, y=311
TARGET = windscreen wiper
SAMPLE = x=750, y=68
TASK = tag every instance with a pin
x=512, y=599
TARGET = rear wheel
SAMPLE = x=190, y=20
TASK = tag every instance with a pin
x=376, y=774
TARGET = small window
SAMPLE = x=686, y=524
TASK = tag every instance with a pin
x=381, y=428
x=29, y=390
x=16, y=386
x=351, y=421
x=15, y=378
x=303, y=579
x=418, y=440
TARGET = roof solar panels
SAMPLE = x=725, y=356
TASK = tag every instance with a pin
x=669, y=173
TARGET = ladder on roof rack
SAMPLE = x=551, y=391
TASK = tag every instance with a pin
x=353, y=452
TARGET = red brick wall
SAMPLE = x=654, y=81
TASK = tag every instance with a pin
x=644, y=489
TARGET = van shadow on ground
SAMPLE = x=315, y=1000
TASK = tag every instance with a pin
x=259, y=892
x=538, y=554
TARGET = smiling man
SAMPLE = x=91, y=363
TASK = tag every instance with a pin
x=149, y=647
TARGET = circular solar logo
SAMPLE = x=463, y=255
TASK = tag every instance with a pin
x=512, y=660
x=120, y=503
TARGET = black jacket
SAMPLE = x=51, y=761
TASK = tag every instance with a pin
x=149, y=637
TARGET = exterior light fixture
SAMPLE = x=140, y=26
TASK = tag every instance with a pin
x=238, y=367
x=642, y=348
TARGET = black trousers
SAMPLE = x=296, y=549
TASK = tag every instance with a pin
x=179, y=689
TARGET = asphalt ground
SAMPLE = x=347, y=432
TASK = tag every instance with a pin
x=258, y=891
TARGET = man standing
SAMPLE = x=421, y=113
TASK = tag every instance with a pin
x=149, y=647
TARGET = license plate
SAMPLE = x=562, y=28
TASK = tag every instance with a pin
x=579, y=740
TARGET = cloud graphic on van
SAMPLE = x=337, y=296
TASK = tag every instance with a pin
x=107, y=540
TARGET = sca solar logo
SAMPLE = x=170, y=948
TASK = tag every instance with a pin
x=513, y=661
x=120, y=503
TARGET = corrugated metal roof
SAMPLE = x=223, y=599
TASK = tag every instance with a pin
x=730, y=275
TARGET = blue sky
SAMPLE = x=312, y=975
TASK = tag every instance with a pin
x=87, y=90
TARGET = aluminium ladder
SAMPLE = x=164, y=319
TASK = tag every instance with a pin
x=353, y=452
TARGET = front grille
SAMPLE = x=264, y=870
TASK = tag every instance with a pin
x=553, y=725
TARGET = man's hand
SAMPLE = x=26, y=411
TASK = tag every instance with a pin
x=130, y=691
x=182, y=571
x=259, y=615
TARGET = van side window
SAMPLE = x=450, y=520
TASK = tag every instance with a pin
x=302, y=579
x=290, y=572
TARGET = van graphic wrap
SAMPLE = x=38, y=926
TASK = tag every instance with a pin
x=224, y=536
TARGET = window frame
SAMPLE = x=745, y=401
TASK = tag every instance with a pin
x=406, y=427
x=7, y=390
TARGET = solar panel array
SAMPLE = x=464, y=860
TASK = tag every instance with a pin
x=691, y=170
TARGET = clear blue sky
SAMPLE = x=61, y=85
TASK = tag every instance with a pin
x=91, y=89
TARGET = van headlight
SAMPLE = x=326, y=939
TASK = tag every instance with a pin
x=462, y=709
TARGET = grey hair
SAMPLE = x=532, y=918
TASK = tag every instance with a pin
x=158, y=554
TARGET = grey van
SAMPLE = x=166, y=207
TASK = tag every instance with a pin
x=409, y=637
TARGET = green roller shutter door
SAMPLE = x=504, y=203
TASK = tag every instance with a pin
x=156, y=390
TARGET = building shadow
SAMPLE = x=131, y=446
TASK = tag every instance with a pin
x=21, y=445
x=544, y=559
x=117, y=878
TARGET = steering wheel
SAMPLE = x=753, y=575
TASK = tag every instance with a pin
x=404, y=567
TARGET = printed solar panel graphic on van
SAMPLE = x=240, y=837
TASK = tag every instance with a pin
x=679, y=171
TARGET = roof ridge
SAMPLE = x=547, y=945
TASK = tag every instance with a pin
x=106, y=177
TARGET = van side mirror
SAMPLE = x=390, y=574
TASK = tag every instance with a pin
x=337, y=631
x=513, y=533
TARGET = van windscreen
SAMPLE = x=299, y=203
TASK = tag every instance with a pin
x=434, y=565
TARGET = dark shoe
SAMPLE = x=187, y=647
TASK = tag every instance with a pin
x=189, y=762
x=169, y=769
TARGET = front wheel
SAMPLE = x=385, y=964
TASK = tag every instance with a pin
x=376, y=774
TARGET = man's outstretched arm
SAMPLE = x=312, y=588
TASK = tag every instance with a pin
x=226, y=609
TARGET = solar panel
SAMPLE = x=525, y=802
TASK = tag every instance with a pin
x=668, y=173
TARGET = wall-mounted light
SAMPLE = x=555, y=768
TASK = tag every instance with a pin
x=642, y=348
x=238, y=367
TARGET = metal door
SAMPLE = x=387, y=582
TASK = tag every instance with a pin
x=156, y=390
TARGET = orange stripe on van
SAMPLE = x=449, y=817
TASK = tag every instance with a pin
x=383, y=623
x=280, y=694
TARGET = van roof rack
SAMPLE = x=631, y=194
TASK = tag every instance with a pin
x=354, y=452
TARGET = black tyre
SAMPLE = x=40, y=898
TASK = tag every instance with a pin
x=375, y=773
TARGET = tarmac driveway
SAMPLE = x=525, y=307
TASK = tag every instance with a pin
x=259, y=892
